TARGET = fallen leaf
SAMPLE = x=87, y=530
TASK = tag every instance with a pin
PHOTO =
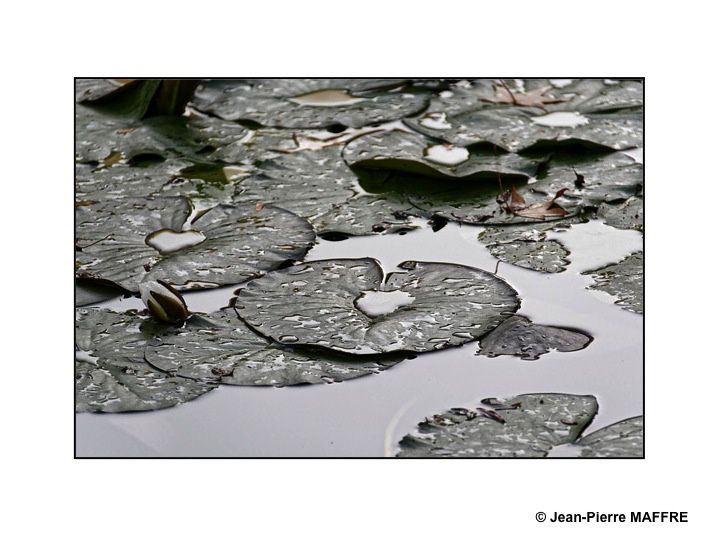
x=541, y=210
x=259, y=206
x=533, y=98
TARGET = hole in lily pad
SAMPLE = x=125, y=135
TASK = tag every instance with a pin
x=327, y=98
x=561, y=119
x=446, y=154
x=168, y=241
x=452, y=305
x=376, y=303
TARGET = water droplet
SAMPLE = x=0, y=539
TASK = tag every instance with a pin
x=168, y=241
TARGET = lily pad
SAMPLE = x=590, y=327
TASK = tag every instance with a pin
x=98, y=136
x=527, y=245
x=528, y=425
x=365, y=214
x=325, y=304
x=222, y=348
x=318, y=185
x=518, y=336
x=111, y=374
x=308, y=103
x=626, y=215
x=92, y=293
x=585, y=112
x=623, y=280
x=120, y=241
x=414, y=153
x=621, y=440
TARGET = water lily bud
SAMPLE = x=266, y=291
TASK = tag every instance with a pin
x=164, y=302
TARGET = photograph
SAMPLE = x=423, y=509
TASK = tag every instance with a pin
x=393, y=268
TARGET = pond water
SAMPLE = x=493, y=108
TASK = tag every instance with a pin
x=368, y=416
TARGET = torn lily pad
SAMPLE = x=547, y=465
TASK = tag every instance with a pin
x=518, y=336
x=321, y=304
x=623, y=280
x=417, y=154
x=528, y=425
x=111, y=374
x=308, y=103
x=220, y=347
x=121, y=241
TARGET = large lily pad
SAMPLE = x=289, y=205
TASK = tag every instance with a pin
x=330, y=304
x=307, y=103
x=623, y=280
x=414, y=153
x=529, y=425
x=98, y=136
x=318, y=185
x=221, y=347
x=240, y=242
x=518, y=336
x=92, y=293
x=111, y=374
x=469, y=112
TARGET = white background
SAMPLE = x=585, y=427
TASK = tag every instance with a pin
x=48, y=494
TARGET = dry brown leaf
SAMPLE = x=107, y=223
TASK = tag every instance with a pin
x=534, y=98
x=259, y=206
x=547, y=209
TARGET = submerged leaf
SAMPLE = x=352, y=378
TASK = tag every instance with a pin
x=423, y=307
x=111, y=374
x=518, y=336
x=221, y=347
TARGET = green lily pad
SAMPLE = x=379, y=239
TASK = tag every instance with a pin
x=118, y=242
x=111, y=374
x=307, y=103
x=318, y=185
x=608, y=178
x=528, y=425
x=221, y=347
x=417, y=154
x=518, y=336
x=348, y=305
x=626, y=215
x=365, y=214
x=97, y=136
x=621, y=440
x=93, y=293
x=623, y=280
x=527, y=245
